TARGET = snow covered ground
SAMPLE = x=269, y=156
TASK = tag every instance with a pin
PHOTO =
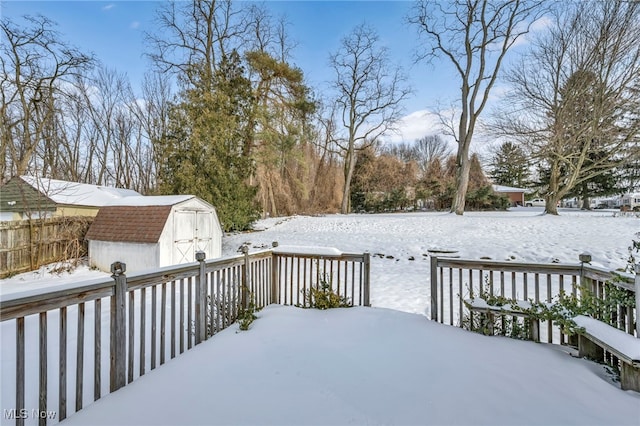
x=399, y=277
x=382, y=366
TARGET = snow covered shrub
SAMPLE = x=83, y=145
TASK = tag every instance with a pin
x=323, y=296
x=500, y=325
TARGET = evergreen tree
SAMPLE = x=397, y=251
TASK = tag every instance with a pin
x=205, y=151
x=510, y=166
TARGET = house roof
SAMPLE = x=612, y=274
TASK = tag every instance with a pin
x=78, y=194
x=133, y=224
x=17, y=196
x=502, y=188
x=151, y=200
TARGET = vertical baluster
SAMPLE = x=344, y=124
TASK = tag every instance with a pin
x=460, y=297
x=80, y=357
x=132, y=351
x=173, y=319
x=97, y=350
x=163, y=323
x=62, y=384
x=182, y=325
x=143, y=327
x=42, y=400
x=20, y=369
x=153, y=326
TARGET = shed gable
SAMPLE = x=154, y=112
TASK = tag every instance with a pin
x=133, y=224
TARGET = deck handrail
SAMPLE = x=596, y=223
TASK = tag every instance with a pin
x=523, y=281
x=157, y=314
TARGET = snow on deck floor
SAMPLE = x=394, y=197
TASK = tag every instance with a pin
x=365, y=366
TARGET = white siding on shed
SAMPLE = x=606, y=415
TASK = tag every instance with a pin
x=137, y=256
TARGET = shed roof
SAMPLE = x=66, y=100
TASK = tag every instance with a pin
x=78, y=194
x=133, y=224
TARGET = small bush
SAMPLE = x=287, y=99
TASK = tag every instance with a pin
x=248, y=315
x=323, y=297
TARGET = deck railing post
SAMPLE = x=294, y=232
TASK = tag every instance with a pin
x=637, y=285
x=367, y=279
x=585, y=258
x=201, y=298
x=244, y=292
x=118, y=327
x=434, y=288
x=275, y=276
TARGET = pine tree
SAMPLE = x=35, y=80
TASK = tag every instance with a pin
x=205, y=152
x=510, y=166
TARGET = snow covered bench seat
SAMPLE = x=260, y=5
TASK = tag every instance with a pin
x=598, y=336
x=519, y=308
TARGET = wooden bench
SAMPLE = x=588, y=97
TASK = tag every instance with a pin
x=598, y=336
x=518, y=308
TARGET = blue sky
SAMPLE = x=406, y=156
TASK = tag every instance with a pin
x=113, y=31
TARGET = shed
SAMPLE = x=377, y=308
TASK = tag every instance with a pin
x=148, y=232
x=516, y=195
x=31, y=197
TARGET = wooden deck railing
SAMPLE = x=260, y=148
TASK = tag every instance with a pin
x=453, y=280
x=124, y=326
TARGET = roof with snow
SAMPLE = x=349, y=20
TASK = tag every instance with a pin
x=151, y=200
x=79, y=194
x=502, y=188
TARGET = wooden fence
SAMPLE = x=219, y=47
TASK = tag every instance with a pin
x=145, y=319
x=453, y=280
x=26, y=245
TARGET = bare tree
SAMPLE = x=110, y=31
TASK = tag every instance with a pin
x=153, y=116
x=429, y=148
x=196, y=33
x=422, y=151
x=369, y=94
x=474, y=36
x=573, y=100
x=35, y=68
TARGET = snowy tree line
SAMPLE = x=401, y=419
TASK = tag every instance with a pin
x=224, y=114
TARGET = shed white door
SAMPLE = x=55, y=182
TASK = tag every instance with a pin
x=192, y=233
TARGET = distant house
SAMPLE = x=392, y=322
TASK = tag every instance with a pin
x=631, y=201
x=29, y=197
x=153, y=231
x=516, y=195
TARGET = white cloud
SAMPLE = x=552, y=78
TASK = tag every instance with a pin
x=134, y=25
x=109, y=6
x=536, y=27
x=414, y=126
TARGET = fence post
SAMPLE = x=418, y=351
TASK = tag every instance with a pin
x=244, y=294
x=434, y=288
x=118, y=327
x=367, y=279
x=637, y=271
x=201, y=299
x=275, y=277
x=584, y=258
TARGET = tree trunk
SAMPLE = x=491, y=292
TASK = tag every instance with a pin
x=551, y=205
x=553, y=196
x=350, y=166
x=462, y=179
x=586, y=205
